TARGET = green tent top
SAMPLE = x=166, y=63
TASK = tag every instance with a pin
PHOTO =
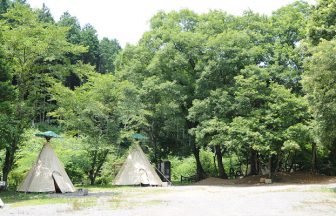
x=48, y=135
x=139, y=136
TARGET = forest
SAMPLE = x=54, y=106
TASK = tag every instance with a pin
x=215, y=94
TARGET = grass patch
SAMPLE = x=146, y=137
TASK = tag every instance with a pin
x=13, y=197
x=17, y=199
x=122, y=197
x=43, y=201
x=75, y=203
x=322, y=190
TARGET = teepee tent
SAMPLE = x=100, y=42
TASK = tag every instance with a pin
x=47, y=174
x=137, y=170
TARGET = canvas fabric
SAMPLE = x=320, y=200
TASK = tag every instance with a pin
x=47, y=171
x=137, y=170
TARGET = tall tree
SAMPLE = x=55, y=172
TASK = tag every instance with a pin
x=29, y=45
x=44, y=14
x=108, y=50
x=166, y=61
x=319, y=84
x=322, y=22
x=89, y=38
x=74, y=32
x=103, y=110
x=7, y=96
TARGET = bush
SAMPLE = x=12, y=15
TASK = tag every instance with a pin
x=187, y=166
x=184, y=167
x=207, y=160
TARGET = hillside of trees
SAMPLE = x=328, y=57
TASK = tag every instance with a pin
x=214, y=93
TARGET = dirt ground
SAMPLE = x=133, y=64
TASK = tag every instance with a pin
x=278, y=178
x=274, y=200
x=209, y=197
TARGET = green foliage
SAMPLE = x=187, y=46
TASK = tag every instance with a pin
x=182, y=167
x=108, y=50
x=36, y=53
x=74, y=29
x=186, y=166
x=319, y=84
x=44, y=14
x=103, y=110
x=322, y=22
x=194, y=82
x=89, y=38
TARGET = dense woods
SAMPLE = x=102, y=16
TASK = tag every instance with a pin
x=216, y=94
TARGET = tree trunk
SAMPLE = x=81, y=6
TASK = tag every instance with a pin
x=313, y=162
x=200, y=174
x=98, y=160
x=221, y=170
x=332, y=158
x=292, y=162
x=9, y=160
x=214, y=161
x=278, y=163
x=92, y=176
x=253, y=162
x=92, y=179
x=270, y=166
x=100, y=163
x=247, y=156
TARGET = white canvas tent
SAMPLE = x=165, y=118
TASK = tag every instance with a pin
x=137, y=170
x=47, y=174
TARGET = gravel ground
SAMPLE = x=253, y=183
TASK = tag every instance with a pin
x=305, y=200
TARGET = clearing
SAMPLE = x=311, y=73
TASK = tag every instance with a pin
x=208, y=197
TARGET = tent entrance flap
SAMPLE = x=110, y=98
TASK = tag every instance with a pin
x=144, y=179
x=60, y=183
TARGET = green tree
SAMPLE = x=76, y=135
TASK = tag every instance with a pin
x=108, y=50
x=319, y=85
x=322, y=24
x=30, y=47
x=4, y=5
x=103, y=110
x=44, y=14
x=74, y=32
x=7, y=96
x=164, y=64
x=89, y=38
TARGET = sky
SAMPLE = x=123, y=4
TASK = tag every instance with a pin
x=127, y=20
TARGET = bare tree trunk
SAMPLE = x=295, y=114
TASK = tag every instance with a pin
x=278, y=162
x=221, y=170
x=313, y=162
x=253, y=162
x=214, y=161
x=92, y=179
x=200, y=174
x=270, y=166
x=292, y=162
x=9, y=159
